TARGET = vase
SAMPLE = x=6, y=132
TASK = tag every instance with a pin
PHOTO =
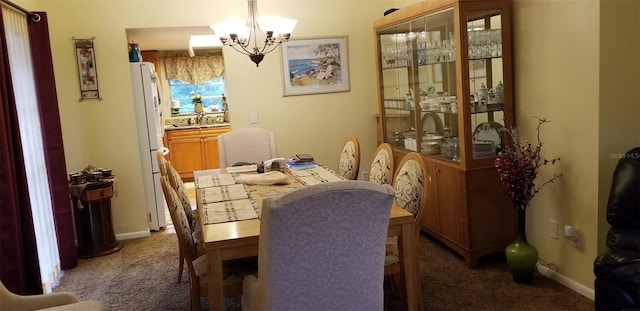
x=522, y=257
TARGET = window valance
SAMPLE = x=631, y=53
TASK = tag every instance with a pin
x=195, y=69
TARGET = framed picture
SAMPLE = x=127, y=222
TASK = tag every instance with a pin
x=315, y=65
x=86, y=58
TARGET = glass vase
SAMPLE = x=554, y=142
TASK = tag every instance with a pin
x=522, y=257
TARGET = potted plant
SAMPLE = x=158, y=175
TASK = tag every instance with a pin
x=518, y=165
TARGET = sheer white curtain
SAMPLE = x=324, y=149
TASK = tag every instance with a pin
x=16, y=28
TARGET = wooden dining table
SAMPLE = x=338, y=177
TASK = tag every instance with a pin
x=239, y=239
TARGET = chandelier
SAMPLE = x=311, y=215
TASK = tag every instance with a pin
x=250, y=39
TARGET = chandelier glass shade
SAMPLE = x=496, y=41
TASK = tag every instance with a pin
x=257, y=36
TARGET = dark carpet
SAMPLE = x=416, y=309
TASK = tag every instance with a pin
x=143, y=274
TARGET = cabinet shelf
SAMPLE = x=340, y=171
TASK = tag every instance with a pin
x=451, y=52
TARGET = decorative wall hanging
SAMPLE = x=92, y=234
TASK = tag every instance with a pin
x=313, y=66
x=86, y=58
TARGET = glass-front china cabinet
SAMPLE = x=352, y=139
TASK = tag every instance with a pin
x=445, y=91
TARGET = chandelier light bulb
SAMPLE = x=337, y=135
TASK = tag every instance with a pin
x=257, y=36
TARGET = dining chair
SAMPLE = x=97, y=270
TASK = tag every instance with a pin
x=410, y=195
x=177, y=184
x=162, y=163
x=349, y=163
x=381, y=170
x=234, y=270
x=322, y=248
x=250, y=145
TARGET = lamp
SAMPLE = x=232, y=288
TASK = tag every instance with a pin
x=250, y=39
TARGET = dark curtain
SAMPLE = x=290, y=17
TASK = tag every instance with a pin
x=52, y=139
x=19, y=269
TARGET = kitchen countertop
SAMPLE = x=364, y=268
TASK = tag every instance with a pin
x=193, y=126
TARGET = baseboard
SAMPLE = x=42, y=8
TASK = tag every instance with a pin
x=132, y=235
x=569, y=283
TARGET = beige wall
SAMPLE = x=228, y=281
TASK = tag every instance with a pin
x=576, y=63
x=103, y=133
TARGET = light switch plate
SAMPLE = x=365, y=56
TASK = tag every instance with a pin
x=253, y=117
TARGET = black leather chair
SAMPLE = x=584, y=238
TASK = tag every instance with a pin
x=617, y=271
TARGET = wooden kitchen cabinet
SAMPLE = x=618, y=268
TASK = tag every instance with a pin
x=193, y=149
x=445, y=90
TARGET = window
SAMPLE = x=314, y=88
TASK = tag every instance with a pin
x=211, y=91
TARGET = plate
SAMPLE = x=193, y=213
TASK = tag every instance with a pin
x=488, y=131
x=431, y=123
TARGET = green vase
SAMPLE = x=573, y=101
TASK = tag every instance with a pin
x=521, y=256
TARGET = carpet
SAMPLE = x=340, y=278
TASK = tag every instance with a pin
x=143, y=274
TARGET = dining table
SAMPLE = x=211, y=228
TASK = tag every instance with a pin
x=238, y=236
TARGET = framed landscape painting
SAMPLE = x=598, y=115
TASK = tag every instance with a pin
x=315, y=66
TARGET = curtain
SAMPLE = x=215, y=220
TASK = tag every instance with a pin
x=43, y=203
x=194, y=70
x=19, y=268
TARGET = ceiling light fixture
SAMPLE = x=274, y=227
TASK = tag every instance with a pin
x=250, y=39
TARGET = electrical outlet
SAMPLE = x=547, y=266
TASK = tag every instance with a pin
x=553, y=229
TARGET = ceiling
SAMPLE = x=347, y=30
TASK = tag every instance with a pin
x=163, y=39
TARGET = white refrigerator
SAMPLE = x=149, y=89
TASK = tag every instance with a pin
x=150, y=125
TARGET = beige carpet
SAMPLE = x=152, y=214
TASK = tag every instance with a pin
x=142, y=276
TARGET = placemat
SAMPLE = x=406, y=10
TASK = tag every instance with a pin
x=229, y=211
x=214, y=180
x=223, y=193
x=315, y=176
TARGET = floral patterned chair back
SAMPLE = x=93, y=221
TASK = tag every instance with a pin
x=350, y=159
x=409, y=184
x=381, y=171
x=162, y=163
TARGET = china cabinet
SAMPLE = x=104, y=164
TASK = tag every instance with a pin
x=193, y=149
x=445, y=90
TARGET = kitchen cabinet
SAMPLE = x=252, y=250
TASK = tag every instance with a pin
x=193, y=149
x=445, y=90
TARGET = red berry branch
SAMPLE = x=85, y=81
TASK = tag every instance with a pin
x=518, y=167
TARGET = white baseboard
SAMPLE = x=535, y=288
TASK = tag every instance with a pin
x=569, y=283
x=132, y=235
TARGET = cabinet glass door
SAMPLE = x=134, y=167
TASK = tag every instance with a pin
x=486, y=88
x=418, y=88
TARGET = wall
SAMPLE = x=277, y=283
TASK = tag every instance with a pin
x=103, y=133
x=576, y=63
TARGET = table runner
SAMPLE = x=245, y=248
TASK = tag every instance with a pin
x=220, y=205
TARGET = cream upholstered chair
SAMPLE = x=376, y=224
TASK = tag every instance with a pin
x=381, y=170
x=192, y=216
x=64, y=301
x=162, y=163
x=252, y=145
x=349, y=159
x=410, y=194
x=322, y=248
x=234, y=270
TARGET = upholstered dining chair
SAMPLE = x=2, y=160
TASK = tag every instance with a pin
x=381, y=170
x=63, y=301
x=349, y=163
x=185, y=203
x=322, y=248
x=234, y=270
x=251, y=145
x=410, y=194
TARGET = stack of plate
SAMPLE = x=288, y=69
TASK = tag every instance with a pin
x=483, y=148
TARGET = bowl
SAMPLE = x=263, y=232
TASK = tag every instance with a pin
x=96, y=175
x=75, y=178
x=106, y=172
